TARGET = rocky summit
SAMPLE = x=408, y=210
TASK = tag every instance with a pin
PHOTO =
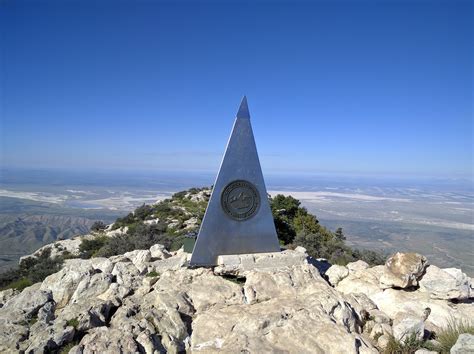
x=150, y=301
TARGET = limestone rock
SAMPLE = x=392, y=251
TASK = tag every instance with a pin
x=59, y=248
x=407, y=327
x=336, y=273
x=450, y=283
x=403, y=270
x=28, y=302
x=464, y=344
x=7, y=294
x=64, y=283
x=105, y=340
x=356, y=266
x=255, y=303
x=364, y=281
x=383, y=341
x=159, y=252
x=139, y=258
x=243, y=263
x=399, y=304
x=46, y=313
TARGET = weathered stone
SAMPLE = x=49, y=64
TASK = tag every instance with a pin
x=159, y=252
x=126, y=274
x=364, y=281
x=408, y=326
x=356, y=266
x=46, y=313
x=28, y=302
x=380, y=329
x=272, y=326
x=450, y=283
x=403, y=270
x=6, y=295
x=177, y=261
x=140, y=259
x=301, y=250
x=243, y=263
x=64, y=283
x=258, y=304
x=106, y=340
x=464, y=344
x=383, y=341
x=336, y=273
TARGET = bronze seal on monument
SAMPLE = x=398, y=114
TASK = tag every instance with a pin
x=240, y=200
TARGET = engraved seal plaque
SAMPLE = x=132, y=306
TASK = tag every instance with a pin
x=240, y=200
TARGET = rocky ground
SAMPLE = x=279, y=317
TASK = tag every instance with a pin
x=149, y=301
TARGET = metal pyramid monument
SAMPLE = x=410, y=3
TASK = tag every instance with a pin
x=238, y=218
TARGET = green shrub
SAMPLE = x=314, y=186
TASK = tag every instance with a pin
x=19, y=284
x=67, y=348
x=153, y=274
x=8, y=277
x=73, y=322
x=89, y=247
x=31, y=270
x=295, y=226
x=98, y=226
x=448, y=336
x=408, y=346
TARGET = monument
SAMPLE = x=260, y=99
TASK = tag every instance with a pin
x=238, y=218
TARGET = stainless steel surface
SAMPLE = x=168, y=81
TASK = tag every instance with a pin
x=238, y=218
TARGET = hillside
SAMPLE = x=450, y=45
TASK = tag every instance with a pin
x=127, y=287
x=27, y=225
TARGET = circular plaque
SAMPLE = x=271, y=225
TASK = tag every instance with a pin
x=240, y=200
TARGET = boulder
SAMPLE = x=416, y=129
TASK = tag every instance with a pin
x=402, y=270
x=28, y=302
x=364, y=281
x=64, y=283
x=6, y=295
x=450, y=283
x=383, y=341
x=140, y=259
x=106, y=340
x=356, y=266
x=336, y=273
x=271, y=326
x=408, y=326
x=159, y=252
x=464, y=344
x=399, y=304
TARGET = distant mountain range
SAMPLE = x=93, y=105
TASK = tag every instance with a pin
x=26, y=225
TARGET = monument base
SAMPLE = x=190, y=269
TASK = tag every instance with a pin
x=239, y=264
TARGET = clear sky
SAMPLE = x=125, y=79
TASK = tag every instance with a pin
x=366, y=87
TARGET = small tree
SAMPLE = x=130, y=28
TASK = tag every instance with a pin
x=98, y=226
x=339, y=234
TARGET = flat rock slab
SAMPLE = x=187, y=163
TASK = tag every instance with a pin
x=240, y=264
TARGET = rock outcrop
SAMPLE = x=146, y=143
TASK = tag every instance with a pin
x=464, y=344
x=149, y=301
x=445, y=284
x=402, y=270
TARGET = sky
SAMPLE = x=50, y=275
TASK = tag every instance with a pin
x=348, y=87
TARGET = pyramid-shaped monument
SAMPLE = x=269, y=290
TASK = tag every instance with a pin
x=238, y=218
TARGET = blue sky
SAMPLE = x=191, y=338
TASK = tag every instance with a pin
x=348, y=87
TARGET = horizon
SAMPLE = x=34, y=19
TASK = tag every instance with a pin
x=334, y=88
